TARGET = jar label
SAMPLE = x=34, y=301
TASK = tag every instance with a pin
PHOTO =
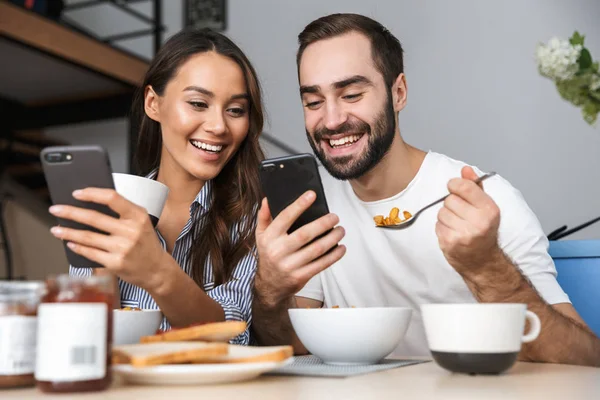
x=17, y=344
x=71, y=342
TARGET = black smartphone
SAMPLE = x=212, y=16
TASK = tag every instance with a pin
x=68, y=168
x=285, y=179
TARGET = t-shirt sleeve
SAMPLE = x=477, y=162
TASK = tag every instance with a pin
x=313, y=289
x=522, y=239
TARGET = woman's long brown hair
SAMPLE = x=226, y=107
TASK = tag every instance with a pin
x=236, y=190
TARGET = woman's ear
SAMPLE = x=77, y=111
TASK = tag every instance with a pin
x=151, y=103
x=399, y=93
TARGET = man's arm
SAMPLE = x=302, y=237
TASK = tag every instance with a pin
x=467, y=231
x=274, y=325
x=286, y=262
x=564, y=337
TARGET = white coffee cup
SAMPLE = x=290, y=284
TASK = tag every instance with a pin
x=479, y=338
x=144, y=192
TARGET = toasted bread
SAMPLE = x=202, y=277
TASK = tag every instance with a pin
x=250, y=354
x=143, y=355
x=213, y=332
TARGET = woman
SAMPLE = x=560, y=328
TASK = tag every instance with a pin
x=201, y=116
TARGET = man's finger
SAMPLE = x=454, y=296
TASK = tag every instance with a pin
x=469, y=191
x=319, y=247
x=309, y=232
x=264, y=218
x=450, y=219
x=322, y=263
x=468, y=173
x=460, y=207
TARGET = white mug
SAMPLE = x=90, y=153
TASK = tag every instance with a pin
x=479, y=337
x=144, y=192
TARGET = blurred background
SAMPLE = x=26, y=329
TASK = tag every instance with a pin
x=68, y=70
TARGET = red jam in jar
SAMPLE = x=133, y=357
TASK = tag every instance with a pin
x=75, y=335
x=18, y=326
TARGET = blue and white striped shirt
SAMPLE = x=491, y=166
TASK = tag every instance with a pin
x=235, y=296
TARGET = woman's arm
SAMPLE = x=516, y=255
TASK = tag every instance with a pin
x=235, y=296
x=184, y=303
x=180, y=299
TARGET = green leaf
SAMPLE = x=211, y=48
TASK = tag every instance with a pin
x=585, y=60
x=577, y=39
x=595, y=66
x=590, y=113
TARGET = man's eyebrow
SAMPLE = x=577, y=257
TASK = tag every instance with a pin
x=356, y=79
x=310, y=89
x=353, y=80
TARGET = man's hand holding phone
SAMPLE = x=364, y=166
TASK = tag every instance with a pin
x=288, y=261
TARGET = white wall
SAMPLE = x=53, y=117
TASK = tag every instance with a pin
x=474, y=91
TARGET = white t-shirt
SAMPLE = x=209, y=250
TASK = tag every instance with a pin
x=406, y=267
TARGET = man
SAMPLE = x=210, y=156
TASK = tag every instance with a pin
x=479, y=245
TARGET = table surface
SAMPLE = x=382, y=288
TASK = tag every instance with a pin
x=422, y=381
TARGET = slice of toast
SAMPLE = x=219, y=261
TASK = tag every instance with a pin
x=250, y=354
x=143, y=355
x=212, y=332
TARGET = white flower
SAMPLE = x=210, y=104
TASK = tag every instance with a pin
x=558, y=59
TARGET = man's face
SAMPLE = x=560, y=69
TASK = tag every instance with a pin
x=348, y=110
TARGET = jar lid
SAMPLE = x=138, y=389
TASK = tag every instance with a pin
x=87, y=279
x=17, y=290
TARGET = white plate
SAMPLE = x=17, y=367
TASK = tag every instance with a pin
x=195, y=374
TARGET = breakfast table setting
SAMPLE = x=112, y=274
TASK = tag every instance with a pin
x=354, y=361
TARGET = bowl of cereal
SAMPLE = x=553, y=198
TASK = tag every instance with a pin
x=351, y=336
x=131, y=323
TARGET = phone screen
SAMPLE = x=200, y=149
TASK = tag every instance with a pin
x=285, y=179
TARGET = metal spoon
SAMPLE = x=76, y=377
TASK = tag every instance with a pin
x=408, y=222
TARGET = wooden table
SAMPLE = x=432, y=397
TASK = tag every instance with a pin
x=423, y=381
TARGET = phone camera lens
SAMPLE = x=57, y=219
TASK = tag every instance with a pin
x=54, y=157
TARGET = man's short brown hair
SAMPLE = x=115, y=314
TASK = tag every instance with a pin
x=386, y=50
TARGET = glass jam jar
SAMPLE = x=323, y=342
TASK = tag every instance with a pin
x=75, y=335
x=18, y=326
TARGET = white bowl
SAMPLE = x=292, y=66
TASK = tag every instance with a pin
x=351, y=336
x=130, y=325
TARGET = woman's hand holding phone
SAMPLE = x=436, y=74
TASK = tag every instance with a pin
x=130, y=249
x=288, y=261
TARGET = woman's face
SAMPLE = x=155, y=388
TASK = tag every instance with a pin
x=203, y=114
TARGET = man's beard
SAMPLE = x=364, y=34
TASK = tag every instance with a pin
x=379, y=143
